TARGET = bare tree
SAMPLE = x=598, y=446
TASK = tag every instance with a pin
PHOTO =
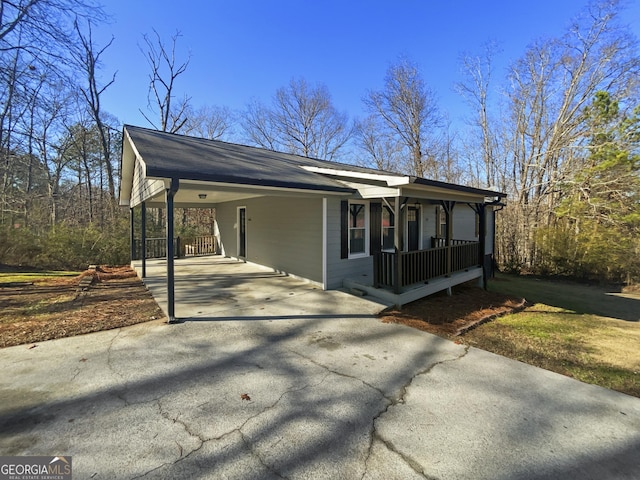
x=258, y=127
x=542, y=134
x=165, y=69
x=88, y=59
x=211, y=122
x=301, y=120
x=476, y=89
x=34, y=42
x=408, y=110
x=383, y=150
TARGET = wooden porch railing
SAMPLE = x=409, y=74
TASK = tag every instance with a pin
x=407, y=268
x=183, y=246
x=200, y=245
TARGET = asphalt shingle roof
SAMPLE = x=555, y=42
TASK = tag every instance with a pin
x=168, y=155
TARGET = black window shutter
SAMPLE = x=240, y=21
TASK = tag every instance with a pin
x=344, y=229
x=375, y=227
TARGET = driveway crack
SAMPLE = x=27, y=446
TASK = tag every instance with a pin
x=203, y=440
x=257, y=455
x=400, y=400
x=119, y=393
x=186, y=428
x=341, y=374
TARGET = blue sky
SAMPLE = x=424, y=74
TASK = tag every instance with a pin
x=245, y=49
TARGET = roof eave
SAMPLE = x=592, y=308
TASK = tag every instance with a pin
x=455, y=187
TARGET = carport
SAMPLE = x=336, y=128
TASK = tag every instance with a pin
x=189, y=172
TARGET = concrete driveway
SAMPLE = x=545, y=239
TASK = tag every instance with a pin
x=331, y=392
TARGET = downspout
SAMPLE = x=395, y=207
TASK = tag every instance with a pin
x=493, y=242
x=482, y=233
x=171, y=307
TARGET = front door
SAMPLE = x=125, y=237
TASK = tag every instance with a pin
x=242, y=232
x=413, y=229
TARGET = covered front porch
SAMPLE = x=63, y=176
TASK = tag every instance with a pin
x=420, y=245
x=403, y=277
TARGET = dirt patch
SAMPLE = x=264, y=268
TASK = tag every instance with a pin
x=450, y=316
x=100, y=299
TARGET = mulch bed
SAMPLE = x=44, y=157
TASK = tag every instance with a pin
x=451, y=316
x=98, y=299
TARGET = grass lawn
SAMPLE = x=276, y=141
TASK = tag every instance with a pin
x=16, y=277
x=586, y=332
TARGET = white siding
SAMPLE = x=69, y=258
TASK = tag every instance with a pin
x=464, y=222
x=428, y=218
x=284, y=233
x=143, y=189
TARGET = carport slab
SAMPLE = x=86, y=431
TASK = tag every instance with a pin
x=217, y=287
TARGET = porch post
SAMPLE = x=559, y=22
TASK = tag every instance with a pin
x=132, y=237
x=171, y=307
x=143, y=238
x=325, y=221
x=397, y=246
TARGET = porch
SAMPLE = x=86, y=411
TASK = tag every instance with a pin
x=403, y=277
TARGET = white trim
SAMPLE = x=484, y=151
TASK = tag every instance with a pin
x=367, y=229
x=246, y=186
x=324, y=242
x=390, y=179
x=398, y=181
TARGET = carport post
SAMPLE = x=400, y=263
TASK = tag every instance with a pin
x=143, y=238
x=132, y=237
x=171, y=307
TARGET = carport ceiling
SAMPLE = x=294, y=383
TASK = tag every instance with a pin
x=190, y=192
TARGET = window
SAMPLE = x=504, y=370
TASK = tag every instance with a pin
x=358, y=229
x=388, y=228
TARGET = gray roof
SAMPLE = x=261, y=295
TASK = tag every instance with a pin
x=168, y=155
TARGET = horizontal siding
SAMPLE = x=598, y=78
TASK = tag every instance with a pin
x=430, y=220
x=143, y=188
x=284, y=233
x=464, y=222
x=338, y=269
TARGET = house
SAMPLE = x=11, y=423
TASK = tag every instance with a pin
x=397, y=237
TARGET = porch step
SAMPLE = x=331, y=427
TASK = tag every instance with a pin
x=358, y=292
x=418, y=291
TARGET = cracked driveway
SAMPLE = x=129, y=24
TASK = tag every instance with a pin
x=331, y=392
